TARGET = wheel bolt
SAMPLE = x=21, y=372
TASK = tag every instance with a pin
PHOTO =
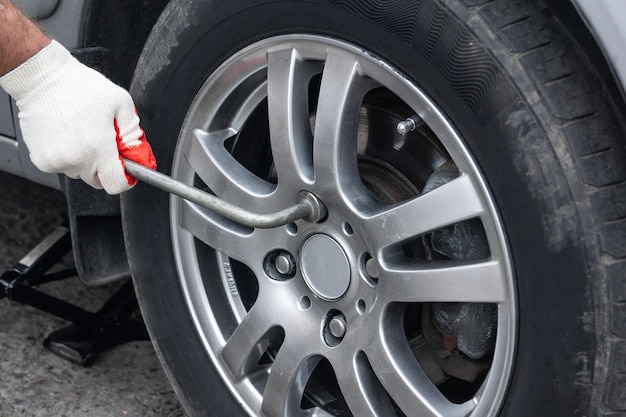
x=338, y=326
x=371, y=269
x=284, y=263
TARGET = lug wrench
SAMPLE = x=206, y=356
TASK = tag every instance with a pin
x=308, y=207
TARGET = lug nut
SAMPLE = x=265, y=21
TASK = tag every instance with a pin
x=279, y=265
x=338, y=326
x=371, y=269
x=284, y=263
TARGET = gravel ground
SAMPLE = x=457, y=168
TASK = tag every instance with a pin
x=126, y=381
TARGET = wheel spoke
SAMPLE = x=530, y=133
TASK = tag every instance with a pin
x=361, y=390
x=477, y=282
x=225, y=176
x=288, y=78
x=451, y=203
x=341, y=93
x=404, y=380
x=248, y=342
x=290, y=372
x=233, y=240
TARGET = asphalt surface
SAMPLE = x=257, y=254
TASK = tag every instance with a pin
x=124, y=382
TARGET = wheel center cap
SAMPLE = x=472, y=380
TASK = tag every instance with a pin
x=325, y=267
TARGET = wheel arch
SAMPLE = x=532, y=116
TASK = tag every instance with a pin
x=113, y=35
x=605, y=22
x=121, y=27
x=597, y=37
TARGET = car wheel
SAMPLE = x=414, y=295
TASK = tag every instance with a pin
x=462, y=267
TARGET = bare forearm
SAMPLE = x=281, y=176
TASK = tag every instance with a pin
x=20, y=38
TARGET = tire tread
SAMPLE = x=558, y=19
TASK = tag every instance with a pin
x=593, y=127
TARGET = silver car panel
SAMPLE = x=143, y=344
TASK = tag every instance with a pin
x=37, y=9
x=9, y=156
x=61, y=19
x=6, y=116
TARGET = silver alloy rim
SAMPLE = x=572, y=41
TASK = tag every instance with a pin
x=304, y=316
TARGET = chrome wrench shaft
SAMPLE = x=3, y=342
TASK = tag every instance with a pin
x=308, y=206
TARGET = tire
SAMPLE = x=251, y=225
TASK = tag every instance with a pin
x=476, y=261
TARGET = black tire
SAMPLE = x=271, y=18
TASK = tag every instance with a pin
x=536, y=121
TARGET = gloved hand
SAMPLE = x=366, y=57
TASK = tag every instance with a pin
x=75, y=121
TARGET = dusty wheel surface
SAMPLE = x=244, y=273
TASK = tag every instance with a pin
x=452, y=274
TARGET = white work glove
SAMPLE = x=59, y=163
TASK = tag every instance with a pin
x=75, y=121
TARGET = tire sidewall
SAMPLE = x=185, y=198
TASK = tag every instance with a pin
x=180, y=55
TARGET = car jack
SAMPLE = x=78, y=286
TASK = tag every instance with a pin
x=89, y=334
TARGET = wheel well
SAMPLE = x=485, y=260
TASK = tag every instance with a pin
x=121, y=27
x=114, y=33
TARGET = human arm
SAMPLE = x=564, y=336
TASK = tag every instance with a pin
x=20, y=38
x=73, y=120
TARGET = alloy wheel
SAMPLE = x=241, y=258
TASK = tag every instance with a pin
x=351, y=315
